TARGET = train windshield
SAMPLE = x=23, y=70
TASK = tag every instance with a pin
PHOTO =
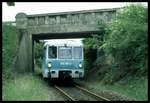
x=77, y=52
x=64, y=52
x=52, y=52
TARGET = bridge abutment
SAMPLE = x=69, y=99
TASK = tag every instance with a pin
x=24, y=56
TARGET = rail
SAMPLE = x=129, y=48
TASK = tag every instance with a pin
x=67, y=95
x=85, y=91
x=98, y=96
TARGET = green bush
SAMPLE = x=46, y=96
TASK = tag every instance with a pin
x=9, y=48
x=123, y=47
x=9, y=45
x=38, y=50
x=127, y=40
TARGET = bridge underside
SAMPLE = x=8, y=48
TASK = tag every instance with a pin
x=83, y=34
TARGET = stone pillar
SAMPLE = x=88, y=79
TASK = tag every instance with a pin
x=24, y=55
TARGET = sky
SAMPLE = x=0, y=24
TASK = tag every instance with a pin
x=9, y=12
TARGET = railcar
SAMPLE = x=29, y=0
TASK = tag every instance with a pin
x=63, y=59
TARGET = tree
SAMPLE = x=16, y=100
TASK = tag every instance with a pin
x=124, y=44
x=127, y=40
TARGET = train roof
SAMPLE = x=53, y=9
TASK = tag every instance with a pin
x=64, y=42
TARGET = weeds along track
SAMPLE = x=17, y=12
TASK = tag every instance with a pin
x=78, y=93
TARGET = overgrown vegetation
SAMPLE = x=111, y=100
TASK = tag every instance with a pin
x=38, y=53
x=127, y=41
x=29, y=87
x=124, y=45
x=9, y=48
x=122, y=61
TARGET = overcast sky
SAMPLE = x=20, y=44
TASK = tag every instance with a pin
x=9, y=12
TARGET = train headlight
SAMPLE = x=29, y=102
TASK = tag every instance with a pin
x=49, y=65
x=80, y=65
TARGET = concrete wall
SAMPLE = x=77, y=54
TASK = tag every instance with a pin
x=79, y=21
x=64, y=22
x=24, y=56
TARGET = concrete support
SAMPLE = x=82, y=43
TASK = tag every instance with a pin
x=24, y=56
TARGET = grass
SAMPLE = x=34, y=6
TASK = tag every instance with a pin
x=136, y=89
x=25, y=87
x=28, y=87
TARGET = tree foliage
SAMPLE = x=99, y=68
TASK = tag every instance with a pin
x=38, y=50
x=9, y=49
x=127, y=39
x=125, y=43
x=10, y=45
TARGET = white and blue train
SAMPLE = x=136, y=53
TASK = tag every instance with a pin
x=63, y=59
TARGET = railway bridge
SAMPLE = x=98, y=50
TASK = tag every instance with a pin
x=76, y=24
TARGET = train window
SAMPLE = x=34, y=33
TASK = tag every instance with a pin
x=52, y=52
x=65, y=53
x=77, y=52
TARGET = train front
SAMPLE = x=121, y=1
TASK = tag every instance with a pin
x=65, y=61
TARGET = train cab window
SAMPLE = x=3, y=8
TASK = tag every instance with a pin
x=52, y=52
x=65, y=53
x=77, y=52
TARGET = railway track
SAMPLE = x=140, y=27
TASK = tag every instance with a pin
x=78, y=93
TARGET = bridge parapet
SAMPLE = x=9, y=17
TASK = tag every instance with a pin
x=85, y=20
